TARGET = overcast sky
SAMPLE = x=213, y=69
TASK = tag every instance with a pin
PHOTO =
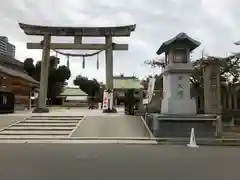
x=215, y=23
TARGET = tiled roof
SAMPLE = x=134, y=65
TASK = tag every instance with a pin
x=72, y=91
x=15, y=68
x=71, y=31
x=11, y=61
x=130, y=83
x=16, y=73
x=192, y=43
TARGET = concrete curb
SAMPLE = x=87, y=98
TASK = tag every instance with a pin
x=76, y=127
x=78, y=138
x=131, y=140
x=204, y=142
x=146, y=126
x=80, y=142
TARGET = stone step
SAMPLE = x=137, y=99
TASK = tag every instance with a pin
x=185, y=116
x=50, y=121
x=185, y=119
x=37, y=128
x=44, y=124
x=57, y=118
x=28, y=136
x=16, y=132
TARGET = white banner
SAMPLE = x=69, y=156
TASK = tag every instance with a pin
x=151, y=86
x=110, y=96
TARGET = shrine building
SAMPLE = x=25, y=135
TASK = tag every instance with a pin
x=13, y=78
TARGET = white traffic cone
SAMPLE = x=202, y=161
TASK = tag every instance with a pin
x=192, y=142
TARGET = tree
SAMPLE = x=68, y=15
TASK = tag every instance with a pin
x=29, y=66
x=62, y=73
x=144, y=83
x=229, y=70
x=91, y=87
x=37, y=73
x=57, y=75
x=158, y=82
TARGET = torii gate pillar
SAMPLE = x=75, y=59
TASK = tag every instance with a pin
x=109, y=63
x=42, y=97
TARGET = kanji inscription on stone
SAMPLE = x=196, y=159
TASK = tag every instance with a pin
x=180, y=77
x=180, y=86
x=180, y=91
x=180, y=94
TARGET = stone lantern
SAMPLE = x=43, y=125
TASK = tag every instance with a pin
x=176, y=79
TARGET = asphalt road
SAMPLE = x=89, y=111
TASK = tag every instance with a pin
x=117, y=162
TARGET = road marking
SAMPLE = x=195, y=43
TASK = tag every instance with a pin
x=71, y=133
x=146, y=126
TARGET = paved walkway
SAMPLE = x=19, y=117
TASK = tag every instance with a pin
x=63, y=111
x=6, y=120
x=112, y=126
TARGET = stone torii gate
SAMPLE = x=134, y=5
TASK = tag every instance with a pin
x=78, y=33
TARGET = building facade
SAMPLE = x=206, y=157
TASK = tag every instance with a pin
x=74, y=96
x=14, y=79
x=6, y=48
x=122, y=84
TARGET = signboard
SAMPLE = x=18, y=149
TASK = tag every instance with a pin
x=105, y=100
x=145, y=101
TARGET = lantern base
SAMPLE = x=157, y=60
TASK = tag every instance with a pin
x=41, y=110
x=113, y=110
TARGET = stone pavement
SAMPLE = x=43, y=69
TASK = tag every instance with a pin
x=109, y=126
x=6, y=120
x=73, y=111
